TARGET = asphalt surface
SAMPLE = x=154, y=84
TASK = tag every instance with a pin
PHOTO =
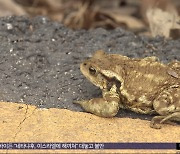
x=39, y=60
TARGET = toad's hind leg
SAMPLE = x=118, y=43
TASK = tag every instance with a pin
x=167, y=105
x=108, y=106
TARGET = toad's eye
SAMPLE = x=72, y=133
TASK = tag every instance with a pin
x=92, y=71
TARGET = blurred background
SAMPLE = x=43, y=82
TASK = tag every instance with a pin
x=143, y=17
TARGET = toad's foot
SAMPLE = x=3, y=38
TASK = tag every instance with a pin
x=174, y=116
x=167, y=105
x=157, y=120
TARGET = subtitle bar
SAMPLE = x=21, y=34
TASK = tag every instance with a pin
x=87, y=146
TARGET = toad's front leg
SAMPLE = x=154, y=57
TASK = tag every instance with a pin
x=167, y=104
x=108, y=106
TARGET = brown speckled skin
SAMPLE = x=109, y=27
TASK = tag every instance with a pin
x=141, y=85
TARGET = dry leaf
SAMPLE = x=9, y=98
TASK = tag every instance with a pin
x=165, y=5
x=93, y=14
x=130, y=21
x=9, y=7
x=162, y=22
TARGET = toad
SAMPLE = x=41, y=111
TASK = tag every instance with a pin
x=144, y=86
